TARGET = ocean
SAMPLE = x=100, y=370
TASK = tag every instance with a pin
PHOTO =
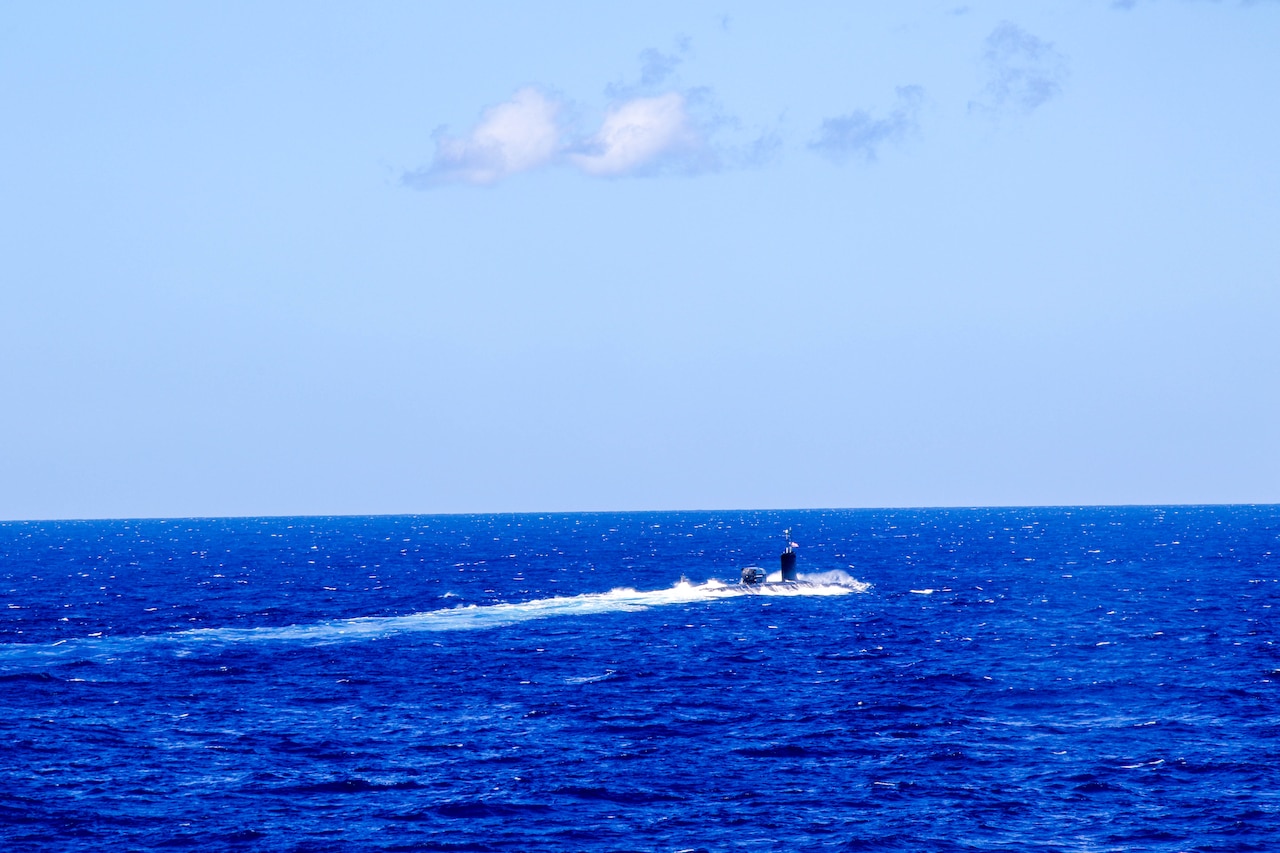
x=1027, y=679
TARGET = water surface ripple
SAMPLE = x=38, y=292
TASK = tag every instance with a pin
x=1065, y=679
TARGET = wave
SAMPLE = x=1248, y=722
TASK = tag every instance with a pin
x=464, y=618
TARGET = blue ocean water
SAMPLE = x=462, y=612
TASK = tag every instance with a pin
x=1084, y=679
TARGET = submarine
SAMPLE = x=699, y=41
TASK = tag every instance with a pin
x=755, y=577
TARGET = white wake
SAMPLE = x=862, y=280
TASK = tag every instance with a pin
x=465, y=618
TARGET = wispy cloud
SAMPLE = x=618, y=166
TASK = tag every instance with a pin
x=1126, y=5
x=860, y=134
x=657, y=67
x=659, y=72
x=515, y=136
x=1022, y=71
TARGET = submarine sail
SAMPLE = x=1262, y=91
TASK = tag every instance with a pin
x=788, y=558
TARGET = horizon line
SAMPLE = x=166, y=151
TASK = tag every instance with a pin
x=937, y=507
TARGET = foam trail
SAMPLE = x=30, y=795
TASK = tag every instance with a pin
x=835, y=577
x=467, y=618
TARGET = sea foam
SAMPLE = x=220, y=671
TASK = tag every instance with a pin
x=469, y=617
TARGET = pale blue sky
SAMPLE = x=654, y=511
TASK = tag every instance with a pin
x=320, y=258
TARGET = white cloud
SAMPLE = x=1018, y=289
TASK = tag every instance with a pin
x=515, y=136
x=639, y=134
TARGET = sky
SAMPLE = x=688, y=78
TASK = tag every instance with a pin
x=324, y=258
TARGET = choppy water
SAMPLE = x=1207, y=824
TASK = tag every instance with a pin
x=1098, y=679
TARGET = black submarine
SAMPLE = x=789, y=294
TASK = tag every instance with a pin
x=754, y=576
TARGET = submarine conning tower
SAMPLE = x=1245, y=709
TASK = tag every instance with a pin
x=788, y=558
